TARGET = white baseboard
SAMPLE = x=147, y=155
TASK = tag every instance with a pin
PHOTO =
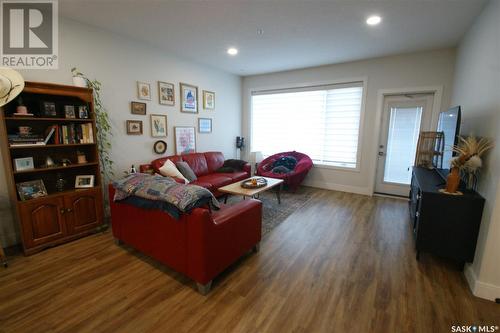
x=339, y=187
x=481, y=289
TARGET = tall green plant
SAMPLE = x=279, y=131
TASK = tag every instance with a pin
x=103, y=125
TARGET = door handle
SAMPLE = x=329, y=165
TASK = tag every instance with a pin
x=69, y=210
x=380, y=153
x=62, y=211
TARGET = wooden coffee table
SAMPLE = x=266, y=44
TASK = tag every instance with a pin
x=236, y=188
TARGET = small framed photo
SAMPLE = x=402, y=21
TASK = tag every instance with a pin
x=143, y=91
x=185, y=140
x=166, y=93
x=189, y=98
x=134, y=127
x=205, y=125
x=31, y=190
x=25, y=163
x=208, y=100
x=84, y=181
x=49, y=109
x=138, y=108
x=83, y=112
x=69, y=111
x=158, y=125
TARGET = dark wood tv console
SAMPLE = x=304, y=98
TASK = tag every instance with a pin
x=444, y=225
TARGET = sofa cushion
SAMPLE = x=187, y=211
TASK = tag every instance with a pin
x=169, y=169
x=206, y=185
x=235, y=176
x=197, y=162
x=216, y=180
x=186, y=171
x=158, y=163
x=215, y=160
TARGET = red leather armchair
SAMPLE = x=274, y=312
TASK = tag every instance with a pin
x=199, y=245
x=292, y=179
x=204, y=165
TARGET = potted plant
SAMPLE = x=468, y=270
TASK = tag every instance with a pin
x=79, y=79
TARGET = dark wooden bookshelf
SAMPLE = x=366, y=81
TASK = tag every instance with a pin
x=64, y=213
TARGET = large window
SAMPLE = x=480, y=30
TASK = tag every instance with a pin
x=322, y=122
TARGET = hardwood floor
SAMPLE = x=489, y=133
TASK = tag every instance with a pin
x=343, y=262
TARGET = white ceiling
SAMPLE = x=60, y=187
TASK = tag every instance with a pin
x=297, y=34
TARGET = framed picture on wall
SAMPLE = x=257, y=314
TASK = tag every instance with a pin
x=158, y=125
x=208, y=100
x=205, y=125
x=138, y=108
x=185, y=140
x=134, y=127
x=143, y=91
x=189, y=98
x=166, y=93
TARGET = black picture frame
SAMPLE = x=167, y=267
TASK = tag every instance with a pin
x=48, y=109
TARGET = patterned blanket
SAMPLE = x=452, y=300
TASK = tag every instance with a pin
x=159, y=188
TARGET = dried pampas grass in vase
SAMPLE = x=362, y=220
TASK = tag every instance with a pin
x=473, y=149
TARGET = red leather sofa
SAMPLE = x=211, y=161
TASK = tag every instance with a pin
x=292, y=179
x=200, y=244
x=204, y=166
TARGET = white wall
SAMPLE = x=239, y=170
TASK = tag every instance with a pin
x=476, y=89
x=405, y=71
x=118, y=63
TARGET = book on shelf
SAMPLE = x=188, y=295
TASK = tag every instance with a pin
x=56, y=134
x=73, y=133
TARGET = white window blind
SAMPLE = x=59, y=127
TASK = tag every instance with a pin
x=322, y=122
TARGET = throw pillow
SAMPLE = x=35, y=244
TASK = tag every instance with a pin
x=287, y=161
x=186, y=171
x=169, y=169
x=235, y=164
x=281, y=169
x=226, y=169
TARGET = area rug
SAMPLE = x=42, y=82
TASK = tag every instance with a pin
x=273, y=213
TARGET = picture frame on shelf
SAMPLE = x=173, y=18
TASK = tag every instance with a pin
x=143, y=91
x=69, y=112
x=48, y=109
x=134, y=127
x=31, y=189
x=138, y=108
x=185, y=140
x=189, y=98
x=205, y=125
x=208, y=100
x=23, y=164
x=166, y=93
x=158, y=125
x=84, y=181
x=83, y=112
x=160, y=147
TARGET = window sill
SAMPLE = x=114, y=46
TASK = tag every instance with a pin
x=337, y=168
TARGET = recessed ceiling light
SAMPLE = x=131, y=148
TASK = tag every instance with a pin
x=373, y=20
x=232, y=51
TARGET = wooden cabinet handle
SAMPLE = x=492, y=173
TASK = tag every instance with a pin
x=69, y=210
x=62, y=211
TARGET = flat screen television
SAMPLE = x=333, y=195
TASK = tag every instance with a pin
x=449, y=124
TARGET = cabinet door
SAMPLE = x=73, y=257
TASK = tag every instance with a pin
x=84, y=210
x=42, y=221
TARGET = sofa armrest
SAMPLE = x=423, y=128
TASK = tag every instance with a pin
x=238, y=211
x=216, y=240
x=248, y=169
x=146, y=168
